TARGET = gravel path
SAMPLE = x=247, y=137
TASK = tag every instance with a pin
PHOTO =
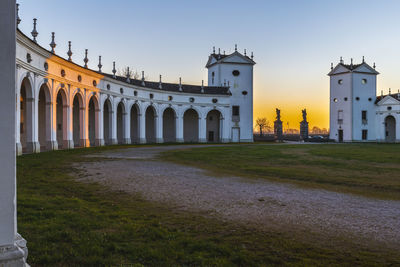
x=260, y=203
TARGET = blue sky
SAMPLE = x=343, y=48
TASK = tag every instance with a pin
x=293, y=42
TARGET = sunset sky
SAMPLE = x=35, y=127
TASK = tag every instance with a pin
x=293, y=42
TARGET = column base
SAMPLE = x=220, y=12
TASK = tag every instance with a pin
x=33, y=147
x=68, y=144
x=52, y=145
x=202, y=140
x=99, y=142
x=159, y=140
x=142, y=141
x=84, y=142
x=13, y=255
x=179, y=140
x=126, y=141
x=19, y=149
x=21, y=243
x=225, y=140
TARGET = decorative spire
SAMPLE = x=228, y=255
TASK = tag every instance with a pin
x=180, y=84
x=331, y=66
x=224, y=52
x=99, y=64
x=114, y=70
x=18, y=18
x=69, y=53
x=219, y=51
x=363, y=60
x=202, y=86
x=235, y=47
x=52, y=44
x=224, y=82
x=351, y=62
x=390, y=91
x=341, y=60
x=252, y=56
x=381, y=92
x=86, y=60
x=143, y=84
x=228, y=84
x=213, y=49
x=34, y=31
x=128, y=75
x=245, y=53
x=374, y=65
x=160, y=85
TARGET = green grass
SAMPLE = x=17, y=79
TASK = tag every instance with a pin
x=371, y=170
x=69, y=223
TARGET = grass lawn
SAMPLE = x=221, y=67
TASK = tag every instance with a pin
x=69, y=223
x=371, y=170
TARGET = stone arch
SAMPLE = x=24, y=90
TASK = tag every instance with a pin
x=390, y=129
x=44, y=117
x=78, y=119
x=214, y=125
x=61, y=124
x=107, y=121
x=169, y=125
x=121, y=113
x=93, y=119
x=26, y=126
x=150, y=114
x=191, y=126
x=134, y=113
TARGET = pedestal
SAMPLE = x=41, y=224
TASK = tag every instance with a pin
x=52, y=145
x=278, y=130
x=304, y=130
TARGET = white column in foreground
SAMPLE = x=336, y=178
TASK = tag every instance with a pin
x=11, y=253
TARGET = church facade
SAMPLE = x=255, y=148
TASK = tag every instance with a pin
x=357, y=114
x=62, y=105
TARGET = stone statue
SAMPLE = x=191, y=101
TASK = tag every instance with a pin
x=278, y=114
x=304, y=111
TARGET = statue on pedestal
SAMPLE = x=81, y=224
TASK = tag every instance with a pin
x=278, y=130
x=304, y=126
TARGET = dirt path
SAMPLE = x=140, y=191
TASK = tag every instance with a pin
x=255, y=202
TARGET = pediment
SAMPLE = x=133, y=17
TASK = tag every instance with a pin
x=237, y=58
x=366, y=69
x=339, y=69
x=388, y=100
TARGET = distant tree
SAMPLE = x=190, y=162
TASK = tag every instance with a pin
x=263, y=123
x=126, y=70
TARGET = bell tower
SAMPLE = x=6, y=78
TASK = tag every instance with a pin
x=236, y=72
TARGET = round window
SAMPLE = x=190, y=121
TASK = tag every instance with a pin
x=389, y=108
x=345, y=99
x=191, y=100
x=335, y=100
x=340, y=82
x=79, y=78
x=369, y=99
x=244, y=93
x=235, y=73
x=357, y=98
x=215, y=100
x=364, y=81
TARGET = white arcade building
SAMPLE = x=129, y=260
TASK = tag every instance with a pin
x=64, y=105
x=357, y=114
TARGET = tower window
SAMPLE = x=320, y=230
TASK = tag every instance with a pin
x=364, y=81
x=357, y=98
x=235, y=111
x=340, y=81
x=345, y=99
x=364, y=115
x=235, y=73
x=364, y=134
x=335, y=100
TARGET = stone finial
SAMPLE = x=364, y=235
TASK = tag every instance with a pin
x=374, y=66
x=213, y=49
x=143, y=84
x=114, y=70
x=180, y=84
x=202, y=86
x=252, y=55
x=390, y=91
x=245, y=54
x=351, y=62
x=18, y=18
x=128, y=75
x=228, y=84
x=331, y=65
x=86, y=59
x=160, y=85
x=52, y=44
x=235, y=47
x=69, y=53
x=224, y=82
x=34, y=31
x=341, y=60
x=363, y=60
x=381, y=92
x=99, y=64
